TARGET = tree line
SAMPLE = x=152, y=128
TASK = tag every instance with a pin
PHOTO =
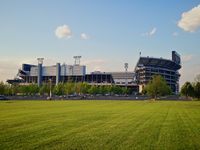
x=68, y=88
x=158, y=87
x=191, y=90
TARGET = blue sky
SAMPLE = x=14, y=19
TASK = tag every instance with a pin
x=113, y=32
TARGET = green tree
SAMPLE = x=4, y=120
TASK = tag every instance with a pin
x=2, y=88
x=197, y=90
x=33, y=89
x=157, y=87
x=24, y=89
x=69, y=88
x=85, y=88
x=5, y=89
x=14, y=89
x=125, y=90
x=44, y=89
x=187, y=90
x=8, y=90
x=116, y=89
x=78, y=88
x=94, y=90
x=59, y=89
x=107, y=89
x=102, y=90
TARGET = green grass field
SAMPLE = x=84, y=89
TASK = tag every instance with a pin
x=99, y=125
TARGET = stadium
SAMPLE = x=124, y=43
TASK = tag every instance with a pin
x=136, y=80
x=147, y=67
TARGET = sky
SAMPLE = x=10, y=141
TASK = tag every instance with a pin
x=106, y=33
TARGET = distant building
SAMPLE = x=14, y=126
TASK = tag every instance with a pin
x=145, y=68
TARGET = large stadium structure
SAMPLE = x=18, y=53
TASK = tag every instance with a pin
x=136, y=80
x=147, y=67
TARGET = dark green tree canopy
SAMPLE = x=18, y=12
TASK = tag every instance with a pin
x=187, y=89
x=68, y=88
x=197, y=90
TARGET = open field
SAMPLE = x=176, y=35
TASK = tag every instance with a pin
x=99, y=125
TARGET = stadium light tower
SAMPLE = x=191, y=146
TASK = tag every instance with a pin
x=77, y=60
x=126, y=69
x=40, y=60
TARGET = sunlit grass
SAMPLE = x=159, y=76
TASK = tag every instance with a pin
x=99, y=125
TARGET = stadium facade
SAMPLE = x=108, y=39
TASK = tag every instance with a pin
x=145, y=68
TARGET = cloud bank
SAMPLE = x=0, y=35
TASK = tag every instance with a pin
x=150, y=33
x=190, y=20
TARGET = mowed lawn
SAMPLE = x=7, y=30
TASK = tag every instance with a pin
x=99, y=125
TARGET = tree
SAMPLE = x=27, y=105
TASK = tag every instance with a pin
x=187, y=90
x=8, y=89
x=125, y=90
x=44, y=89
x=102, y=90
x=24, y=89
x=33, y=89
x=197, y=90
x=59, y=89
x=157, y=87
x=108, y=89
x=2, y=88
x=93, y=90
x=116, y=89
x=69, y=88
x=84, y=88
x=14, y=89
x=5, y=89
x=78, y=88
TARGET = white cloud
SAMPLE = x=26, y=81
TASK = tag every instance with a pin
x=95, y=65
x=84, y=36
x=150, y=33
x=63, y=32
x=190, y=20
x=153, y=31
x=186, y=58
